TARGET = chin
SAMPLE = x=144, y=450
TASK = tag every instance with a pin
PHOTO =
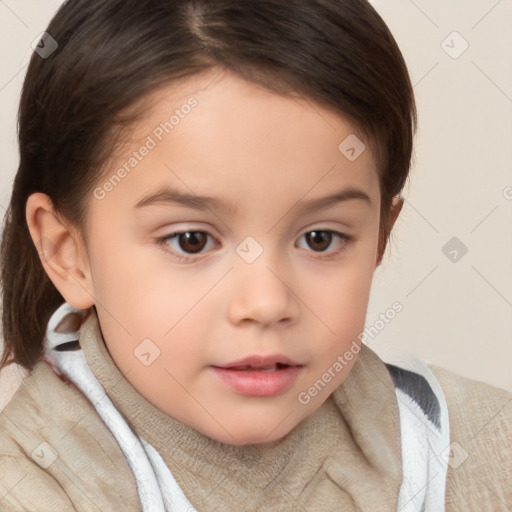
x=240, y=436
x=261, y=427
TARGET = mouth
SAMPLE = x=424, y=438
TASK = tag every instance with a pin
x=248, y=368
x=259, y=375
x=261, y=363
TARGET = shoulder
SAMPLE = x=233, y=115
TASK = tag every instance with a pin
x=480, y=452
x=57, y=454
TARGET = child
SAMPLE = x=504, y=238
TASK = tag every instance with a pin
x=204, y=191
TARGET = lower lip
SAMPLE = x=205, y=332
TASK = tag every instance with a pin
x=258, y=383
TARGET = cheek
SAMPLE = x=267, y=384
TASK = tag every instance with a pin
x=139, y=295
x=342, y=312
x=174, y=328
x=134, y=281
x=339, y=295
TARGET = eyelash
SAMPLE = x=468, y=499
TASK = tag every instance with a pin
x=345, y=240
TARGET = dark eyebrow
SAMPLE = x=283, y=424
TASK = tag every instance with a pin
x=169, y=196
x=303, y=207
x=166, y=195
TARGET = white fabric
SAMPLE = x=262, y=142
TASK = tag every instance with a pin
x=424, y=469
x=414, y=459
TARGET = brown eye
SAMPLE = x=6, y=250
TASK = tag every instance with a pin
x=325, y=242
x=183, y=243
x=192, y=241
x=319, y=240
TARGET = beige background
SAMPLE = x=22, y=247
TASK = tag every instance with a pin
x=456, y=314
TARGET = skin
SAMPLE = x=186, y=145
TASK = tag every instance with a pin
x=263, y=153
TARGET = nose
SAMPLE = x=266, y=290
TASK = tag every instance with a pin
x=262, y=293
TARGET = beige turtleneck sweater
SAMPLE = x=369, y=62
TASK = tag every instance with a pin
x=344, y=456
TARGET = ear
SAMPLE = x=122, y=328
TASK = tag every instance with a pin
x=396, y=208
x=62, y=255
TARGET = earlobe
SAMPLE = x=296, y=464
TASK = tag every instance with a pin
x=396, y=208
x=63, y=259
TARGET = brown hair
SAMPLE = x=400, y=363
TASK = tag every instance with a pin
x=112, y=53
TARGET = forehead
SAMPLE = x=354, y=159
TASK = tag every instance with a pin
x=215, y=128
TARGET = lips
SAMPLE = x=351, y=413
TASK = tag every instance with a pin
x=259, y=376
x=274, y=367
x=261, y=363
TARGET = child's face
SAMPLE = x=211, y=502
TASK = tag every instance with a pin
x=254, y=283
